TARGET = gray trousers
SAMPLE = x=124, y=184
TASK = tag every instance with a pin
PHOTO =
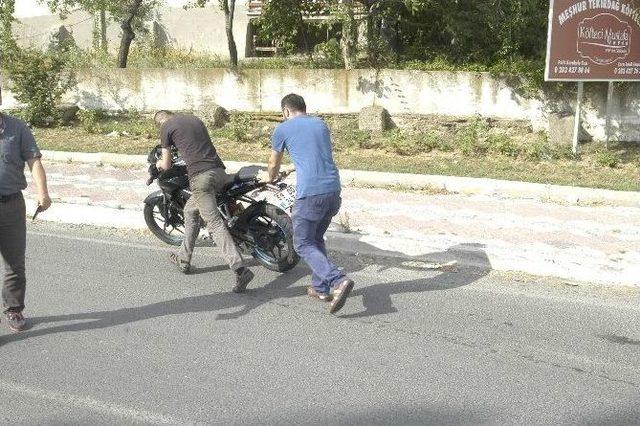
x=13, y=237
x=203, y=204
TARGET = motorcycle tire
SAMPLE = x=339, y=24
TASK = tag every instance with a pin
x=286, y=226
x=153, y=226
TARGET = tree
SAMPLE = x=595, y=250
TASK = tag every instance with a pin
x=282, y=22
x=229, y=8
x=129, y=13
x=7, y=42
x=349, y=39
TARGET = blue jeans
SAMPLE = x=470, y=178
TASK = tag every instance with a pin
x=311, y=219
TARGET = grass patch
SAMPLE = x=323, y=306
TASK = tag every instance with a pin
x=474, y=148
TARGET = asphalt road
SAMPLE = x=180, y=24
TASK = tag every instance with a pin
x=119, y=336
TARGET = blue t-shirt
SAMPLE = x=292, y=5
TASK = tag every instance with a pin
x=308, y=141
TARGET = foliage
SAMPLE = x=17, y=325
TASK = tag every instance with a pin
x=505, y=37
x=607, y=158
x=121, y=123
x=281, y=22
x=503, y=145
x=240, y=127
x=89, y=119
x=7, y=43
x=39, y=80
x=329, y=53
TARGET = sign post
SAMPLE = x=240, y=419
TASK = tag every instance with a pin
x=593, y=40
x=608, y=115
x=576, y=122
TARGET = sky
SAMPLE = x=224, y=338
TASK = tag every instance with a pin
x=28, y=8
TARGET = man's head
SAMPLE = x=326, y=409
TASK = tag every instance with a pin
x=162, y=116
x=293, y=105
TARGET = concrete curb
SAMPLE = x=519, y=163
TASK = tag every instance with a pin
x=461, y=185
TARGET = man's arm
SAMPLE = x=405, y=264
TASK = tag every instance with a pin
x=274, y=165
x=164, y=163
x=40, y=179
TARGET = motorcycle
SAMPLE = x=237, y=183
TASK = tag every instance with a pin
x=256, y=214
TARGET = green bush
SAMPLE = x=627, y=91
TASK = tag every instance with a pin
x=90, y=120
x=405, y=144
x=39, y=80
x=503, y=145
x=607, y=158
x=364, y=140
x=330, y=53
x=539, y=150
x=472, y=139
x=562, y=152
x=239, y=127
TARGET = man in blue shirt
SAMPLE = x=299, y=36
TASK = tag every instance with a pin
x=308, y=141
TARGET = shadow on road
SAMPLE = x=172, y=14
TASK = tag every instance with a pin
x=376, y=298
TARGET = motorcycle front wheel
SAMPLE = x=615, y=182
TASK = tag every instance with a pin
x=158, y=224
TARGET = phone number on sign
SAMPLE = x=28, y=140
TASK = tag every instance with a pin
x=572, y=70
x=627, y=71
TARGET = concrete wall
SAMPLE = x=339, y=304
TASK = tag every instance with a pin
x=197, y=29
x=340, y=91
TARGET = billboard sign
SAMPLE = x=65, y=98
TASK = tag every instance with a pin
x=593, y=40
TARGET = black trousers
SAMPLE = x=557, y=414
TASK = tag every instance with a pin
x=13, y=238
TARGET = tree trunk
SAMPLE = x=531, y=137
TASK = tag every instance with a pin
x=349, y=35
x=103, y=30
x=306, y=47
x=127, y=33
x=229, y=7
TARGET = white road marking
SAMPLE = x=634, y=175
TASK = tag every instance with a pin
x=89, y=403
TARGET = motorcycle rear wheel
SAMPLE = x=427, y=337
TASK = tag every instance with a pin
x=280, y=226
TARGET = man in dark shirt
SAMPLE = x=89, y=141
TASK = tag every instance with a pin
x=206, y=177
x=17, y=147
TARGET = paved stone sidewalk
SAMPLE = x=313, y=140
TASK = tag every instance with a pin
x=585, y=243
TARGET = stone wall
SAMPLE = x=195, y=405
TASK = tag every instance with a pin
x=340, y=91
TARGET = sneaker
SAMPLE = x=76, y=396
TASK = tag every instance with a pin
x=340, y=294
x=16, y=321
x=323, y=297
x=243, y=278
x=182, y=265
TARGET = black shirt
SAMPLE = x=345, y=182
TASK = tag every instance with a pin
x=189, y=134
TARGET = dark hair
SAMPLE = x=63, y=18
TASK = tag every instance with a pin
x=294, y=103
x=163, y=113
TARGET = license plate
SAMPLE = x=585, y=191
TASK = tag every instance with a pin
x=285, y=198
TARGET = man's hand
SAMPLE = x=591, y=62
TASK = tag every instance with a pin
x=44, y=201
x=287, y=170
x=263, y=177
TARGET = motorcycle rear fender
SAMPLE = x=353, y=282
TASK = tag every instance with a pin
x=243, y=220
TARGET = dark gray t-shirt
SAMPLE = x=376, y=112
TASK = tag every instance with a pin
x=189, y=134
x=17, y=145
